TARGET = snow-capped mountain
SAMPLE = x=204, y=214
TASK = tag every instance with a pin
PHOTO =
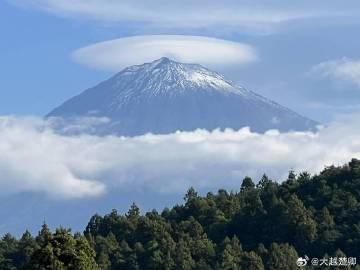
x=165, y=96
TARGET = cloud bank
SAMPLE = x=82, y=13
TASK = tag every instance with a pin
x=344, y=69
x=35, y=159
x=116, y=54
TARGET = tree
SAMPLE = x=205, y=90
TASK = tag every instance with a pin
x=106, y=248
x=27, y=246
x=8, y=249
x=84, y=255
x=191, y=194
x=134, y=212
x=183, y=259
x=94, y=225
x=123, y=258
x=61, y=250
x=282, y=257
x=304, y=226
x=230, y=257
x=247, y=184
x=251, y=261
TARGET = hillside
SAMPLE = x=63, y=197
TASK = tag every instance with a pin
x=263, y=226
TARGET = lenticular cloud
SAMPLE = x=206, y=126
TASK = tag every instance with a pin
x=36, y=159
x=116, y=54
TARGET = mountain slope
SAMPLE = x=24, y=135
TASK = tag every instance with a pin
x=165, y=96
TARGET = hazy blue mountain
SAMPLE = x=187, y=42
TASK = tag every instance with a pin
x=165, y=96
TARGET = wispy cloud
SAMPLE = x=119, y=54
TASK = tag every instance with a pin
x=116, y=54
x=344, y=69
x=343, y=108
x=35, y=159
x=190, y=14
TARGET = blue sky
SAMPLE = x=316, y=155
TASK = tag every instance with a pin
x=39, y=37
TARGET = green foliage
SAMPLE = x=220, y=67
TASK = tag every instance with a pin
x=55, y=251
x=263, y=226
x=282, y=257
x=252, y=261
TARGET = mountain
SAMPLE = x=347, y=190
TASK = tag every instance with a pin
x=165, y=96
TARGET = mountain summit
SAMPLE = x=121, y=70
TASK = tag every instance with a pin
x=165, y=96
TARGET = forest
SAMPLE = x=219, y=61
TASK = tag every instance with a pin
x=267, y=225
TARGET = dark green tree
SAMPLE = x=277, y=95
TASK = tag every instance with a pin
x=282, y=257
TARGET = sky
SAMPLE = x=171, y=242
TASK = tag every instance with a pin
x=302, y=55
x=305, y=55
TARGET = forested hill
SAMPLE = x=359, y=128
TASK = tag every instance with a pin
x=263, y=226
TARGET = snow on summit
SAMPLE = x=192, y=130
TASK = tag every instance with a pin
x=166, y=75
x=165, y=96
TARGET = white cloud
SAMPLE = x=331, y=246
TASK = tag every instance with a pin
x=27, y=165
x=35, y=159
x=344, y=69
x=186, y=13
x=119, y=53
x=342, y=108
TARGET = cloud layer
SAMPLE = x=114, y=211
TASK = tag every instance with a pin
x=344, y=69
x=116, y=54
x=190, y=14
x=35, y=159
